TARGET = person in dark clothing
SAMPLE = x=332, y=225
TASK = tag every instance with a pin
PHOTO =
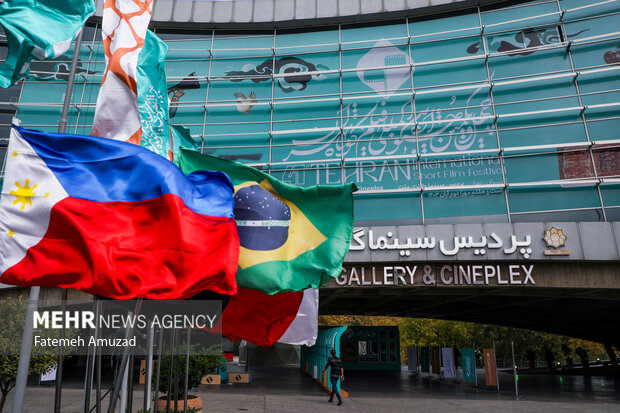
x=337, y=372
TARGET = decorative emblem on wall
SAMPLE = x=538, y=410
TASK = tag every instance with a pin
x=612, y=57
x=57, y=68
x=384, y=81
x=555, y=238
x=244, y=104
x=295, y=71
x=176, y=92
x=519, y=44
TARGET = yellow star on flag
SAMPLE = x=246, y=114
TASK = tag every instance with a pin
x=15, y=153
x=11, y=233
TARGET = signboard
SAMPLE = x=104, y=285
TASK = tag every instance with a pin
x=469, y=242
x=435, y=360
x=490, y=370
x=425, y=359
x=449, y=370
x=239, y=378
x=469, y=365
x=211, y=379
x=142, y=378
x=412, y=358
x=444, y=275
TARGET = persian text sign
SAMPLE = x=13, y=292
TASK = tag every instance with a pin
x=425, y=274
x=490, y=371
x=365, y=238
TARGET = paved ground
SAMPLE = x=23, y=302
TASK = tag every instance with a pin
x=279, y=390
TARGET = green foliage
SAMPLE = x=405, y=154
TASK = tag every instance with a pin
x=199, y=366
x=13, y=312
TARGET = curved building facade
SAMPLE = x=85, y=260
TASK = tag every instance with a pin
x=458, y=120
x=489, y=114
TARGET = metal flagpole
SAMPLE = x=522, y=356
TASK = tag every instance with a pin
x=130, y=381
x=24, y=354
x=159, y=354
x=98, y=365
x=473, y=345
x=62, y=127
x=189, y=331
x=33, y=302
x=149, y=368
x=123, y=397
x=177, y=339
x=123, y=364
x=90, y=362
x=514, y=368
x=169, y=394
x=496, y=375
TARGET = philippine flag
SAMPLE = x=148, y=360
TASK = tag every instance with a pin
x=113, y=219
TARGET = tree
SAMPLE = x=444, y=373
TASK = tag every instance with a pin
x=13, y=312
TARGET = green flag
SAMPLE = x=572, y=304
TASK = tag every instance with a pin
x=39, y=29
x=292, y=238
x=469, y=364
x=153, y=95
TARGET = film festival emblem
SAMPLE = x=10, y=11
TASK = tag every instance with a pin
x=555, y=239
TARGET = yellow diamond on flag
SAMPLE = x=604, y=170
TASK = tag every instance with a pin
x=23, y=194
x=302, y=235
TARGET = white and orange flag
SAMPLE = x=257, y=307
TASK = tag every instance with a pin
x=124, y=29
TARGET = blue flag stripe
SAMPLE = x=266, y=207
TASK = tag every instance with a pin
x=104, y=170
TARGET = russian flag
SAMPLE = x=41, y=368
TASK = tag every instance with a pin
x=113, y=219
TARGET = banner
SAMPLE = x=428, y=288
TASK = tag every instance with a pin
x=412, y=358
x=449, y=370
x=425, y=359
x=490, y=371
x=435, y=361
x=468, y=361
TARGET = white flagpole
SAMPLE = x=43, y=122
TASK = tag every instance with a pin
x=24, y=354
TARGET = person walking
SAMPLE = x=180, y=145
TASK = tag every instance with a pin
x=337, y=372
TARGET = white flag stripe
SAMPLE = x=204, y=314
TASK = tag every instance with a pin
x=304, y=328
x=20, y=228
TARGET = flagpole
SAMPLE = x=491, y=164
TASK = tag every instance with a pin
x=33, y=302
x=90, y=363
x=123, y=364
x=62, y=127
x=26, y=350
x=149, y=368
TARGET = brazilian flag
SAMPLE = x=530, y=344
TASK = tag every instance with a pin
x=292, y=238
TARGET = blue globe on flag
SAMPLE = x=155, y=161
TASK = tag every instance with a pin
x=262, y=219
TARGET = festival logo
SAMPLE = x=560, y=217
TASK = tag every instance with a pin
x=555, y=238
x=57, y=69
x=384, y=81
x=295, y=73
x=176, y=92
